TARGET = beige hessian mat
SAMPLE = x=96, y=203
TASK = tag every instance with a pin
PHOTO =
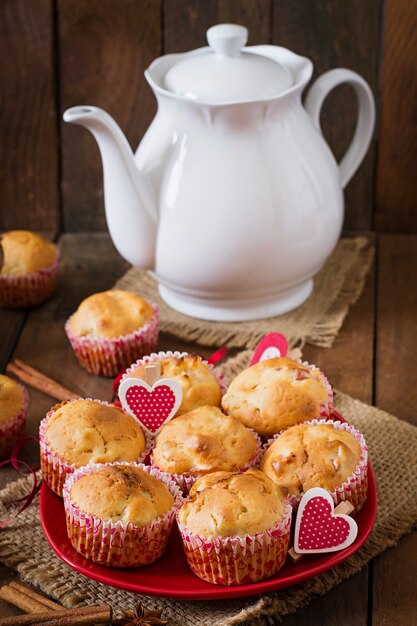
x=336, y=287
x=23, y=546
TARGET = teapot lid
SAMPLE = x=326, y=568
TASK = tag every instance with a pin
x=225, y=72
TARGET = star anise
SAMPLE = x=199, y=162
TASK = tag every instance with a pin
x=140, y=617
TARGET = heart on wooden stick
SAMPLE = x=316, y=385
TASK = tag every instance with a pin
x=151, y=405
x=271, y=346
x=318, y=528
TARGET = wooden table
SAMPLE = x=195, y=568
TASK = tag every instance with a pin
x=373, y=359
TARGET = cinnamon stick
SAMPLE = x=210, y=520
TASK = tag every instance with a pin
x=36, y=596
x=32, y=377
x=86, y=616
x=21, y=600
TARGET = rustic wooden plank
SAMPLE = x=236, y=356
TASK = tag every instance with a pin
x=396, y=185
x=394, y=588
x=349, y=367
x=396, y=390
x=28, y=129
x=338, y=34
x=186, y=21
x=105, y=46
x=11, y=323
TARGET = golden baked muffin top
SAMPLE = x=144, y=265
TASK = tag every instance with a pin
x=24, y=252
x=199, y=385
x=11, y=398
x=226, y=504
x=203, y=440
x=274, y=394
x=308, y=455
x=122, y=493
x=85, y=431
x=111, y=314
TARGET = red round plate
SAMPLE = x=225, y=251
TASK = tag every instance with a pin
x=171, y=577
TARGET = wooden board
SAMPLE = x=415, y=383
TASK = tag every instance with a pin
x=338, y=34
x=28, y=129
x=394, y=580
x=105, y=46
x=396, y=190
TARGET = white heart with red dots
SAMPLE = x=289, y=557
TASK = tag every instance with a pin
x=318, y=528
x=152, y=406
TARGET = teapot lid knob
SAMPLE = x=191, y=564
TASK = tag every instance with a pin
x=227, y=39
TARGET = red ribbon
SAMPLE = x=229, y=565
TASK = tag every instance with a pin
x=22, y=468
x=218, y=355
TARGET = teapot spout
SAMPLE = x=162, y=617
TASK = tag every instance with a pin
x=130, y=203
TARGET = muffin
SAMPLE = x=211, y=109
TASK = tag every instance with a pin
x=277, y=393
x=235, y=527
x=13, y=411
x=28, y=269
x=202, y=441
x=110, y=330
x=199, y=384
x=120, y=515
x=80, y=432
x=330, y=455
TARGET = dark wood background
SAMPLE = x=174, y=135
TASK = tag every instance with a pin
x=59, y=53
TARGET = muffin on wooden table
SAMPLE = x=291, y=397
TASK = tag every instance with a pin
x=203, y=441
x=235, y=527
x=120, y=515
x=28, y=269
x=199, y=382
x=277, y=393
x=79, y=432
x=326, y=454
x=110, y=330
x=13, y=412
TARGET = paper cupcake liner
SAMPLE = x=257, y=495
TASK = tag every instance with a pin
x=108, y=357
x=55, y=469
x=155, y=356
x=186, y=481
x=238, y=560
x=12, y=431
x=355, y=487
x=28, y=289
x=118, y=544
x=326, y=408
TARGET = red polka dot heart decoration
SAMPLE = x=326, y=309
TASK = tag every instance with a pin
x=152, y=406
x=318, y=528
x=272, y=346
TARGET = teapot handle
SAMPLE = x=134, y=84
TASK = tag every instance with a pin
x=366, y=118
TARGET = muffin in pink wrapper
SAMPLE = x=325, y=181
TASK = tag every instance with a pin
x=13, y=411
x=120, y=514
x=204, y=441
x=323, y=453
x=110, y=330
x=235, y=527
x=200, y=382
x=83, y=431
x=28, y=269
x=276, y=393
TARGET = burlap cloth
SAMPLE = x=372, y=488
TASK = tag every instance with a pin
x=23, y=546
x=336, y=287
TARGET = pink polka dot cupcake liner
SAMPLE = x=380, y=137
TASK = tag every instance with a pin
x=55, y=469
x=12, y=430
x=118, y=544
x=157, y=356
x=355, y=487
x=186, y=481
x=108, y=357
x=28, y=289
x=238, y=560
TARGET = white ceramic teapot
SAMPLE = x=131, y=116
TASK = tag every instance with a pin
x=233, y=198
